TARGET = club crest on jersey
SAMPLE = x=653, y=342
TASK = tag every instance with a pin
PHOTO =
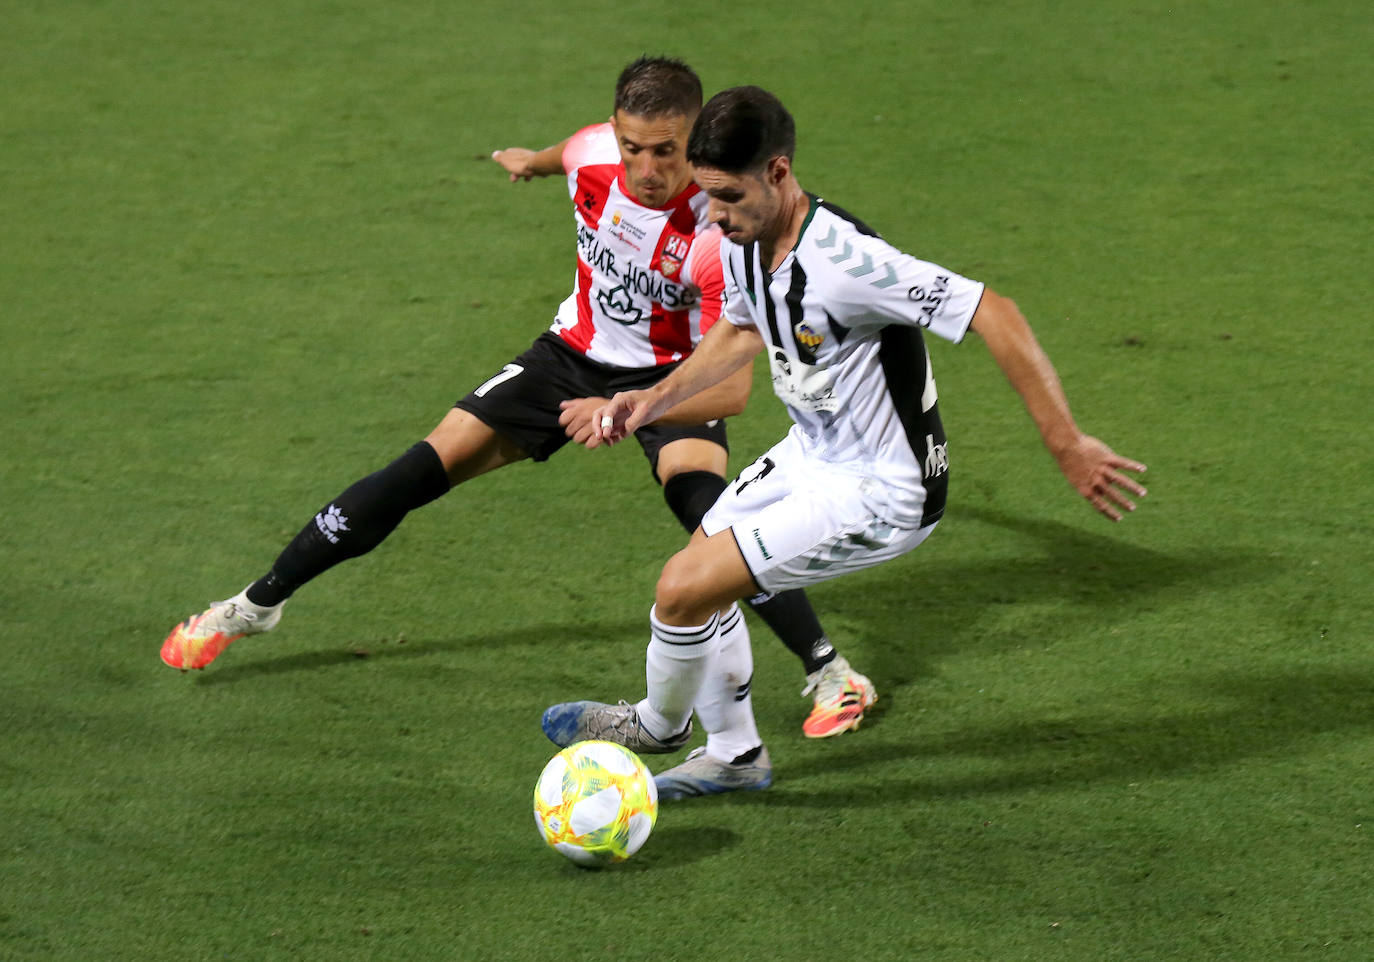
x=674, y=252
x=808, y=336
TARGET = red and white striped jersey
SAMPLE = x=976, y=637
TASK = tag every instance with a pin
x=647, y=287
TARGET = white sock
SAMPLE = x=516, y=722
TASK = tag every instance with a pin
x=241, y=599
x=724, y=705
x=674, y=666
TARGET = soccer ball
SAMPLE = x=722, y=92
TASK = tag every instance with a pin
x=596, y=803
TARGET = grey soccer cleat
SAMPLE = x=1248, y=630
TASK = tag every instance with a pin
x=701, y=774
x=580, y=721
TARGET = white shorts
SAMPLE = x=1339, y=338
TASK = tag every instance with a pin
x=799, y=521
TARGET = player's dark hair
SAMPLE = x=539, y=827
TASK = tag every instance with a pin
x=654, y=86
x=740, y=130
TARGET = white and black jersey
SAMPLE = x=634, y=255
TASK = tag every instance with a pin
x=842, y=318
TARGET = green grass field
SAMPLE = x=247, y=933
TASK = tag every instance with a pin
x=252, y=251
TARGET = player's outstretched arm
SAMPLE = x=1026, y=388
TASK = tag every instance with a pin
x=580, y=416
x=1093, y=468
x=722, y=352
x=521, y=163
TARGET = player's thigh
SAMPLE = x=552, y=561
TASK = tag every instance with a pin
x=768, y=479
x=797, y=525
x=812, y=537
x=706, y=576
x=469, y=447
x=521, y=401
x=690, y=454
x=678, y=448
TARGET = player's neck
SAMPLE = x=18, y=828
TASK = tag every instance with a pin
x=790, y=221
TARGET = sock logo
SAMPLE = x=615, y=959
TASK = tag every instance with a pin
x=331, y=521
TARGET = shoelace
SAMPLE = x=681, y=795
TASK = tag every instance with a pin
x=831, y=684
x=232, y=617
x=628, y=718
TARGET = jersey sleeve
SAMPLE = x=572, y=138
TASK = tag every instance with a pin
x=704, y=272
x=734, y=308
x=590, y=145
x=878, y=284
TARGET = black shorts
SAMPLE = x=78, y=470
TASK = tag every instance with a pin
x=521, y=401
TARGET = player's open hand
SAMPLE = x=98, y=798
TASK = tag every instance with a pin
x=619, y=417
x=516, y=161
x=579, y=419
x=1095, y=470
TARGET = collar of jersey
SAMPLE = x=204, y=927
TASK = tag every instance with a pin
x=813, y=203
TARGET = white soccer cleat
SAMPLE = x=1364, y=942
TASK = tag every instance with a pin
x=198, y=640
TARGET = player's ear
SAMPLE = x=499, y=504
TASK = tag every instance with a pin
x=778, y=169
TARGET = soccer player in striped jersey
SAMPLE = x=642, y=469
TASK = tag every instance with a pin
x=645, y=290
x=860, y=478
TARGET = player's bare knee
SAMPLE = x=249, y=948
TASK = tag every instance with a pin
x=468, y=447
x=678, y=597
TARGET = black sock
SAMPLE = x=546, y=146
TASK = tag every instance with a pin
x=691, y=494
x=354, y=523
x=790, y=615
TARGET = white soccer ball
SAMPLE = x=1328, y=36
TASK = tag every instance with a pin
x=596, y=803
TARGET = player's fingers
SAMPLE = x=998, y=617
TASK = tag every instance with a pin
x=1103, y=507
x=1117, y=461
x=1130, y=484
x=1120, y=499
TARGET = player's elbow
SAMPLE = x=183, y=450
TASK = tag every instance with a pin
x=735, y=397
x=736, y=401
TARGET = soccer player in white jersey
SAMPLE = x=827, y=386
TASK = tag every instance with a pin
x=862, y=475
x=645, y=290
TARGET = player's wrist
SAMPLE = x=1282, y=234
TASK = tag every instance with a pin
x=1062, y=440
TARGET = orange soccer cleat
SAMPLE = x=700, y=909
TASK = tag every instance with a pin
x=842, y=695
x=198, y=640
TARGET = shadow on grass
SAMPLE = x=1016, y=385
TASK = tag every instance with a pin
x=680, y=846
x=942, y=606
x=362, y=652
x=1264, y=714
x=1064, y=582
